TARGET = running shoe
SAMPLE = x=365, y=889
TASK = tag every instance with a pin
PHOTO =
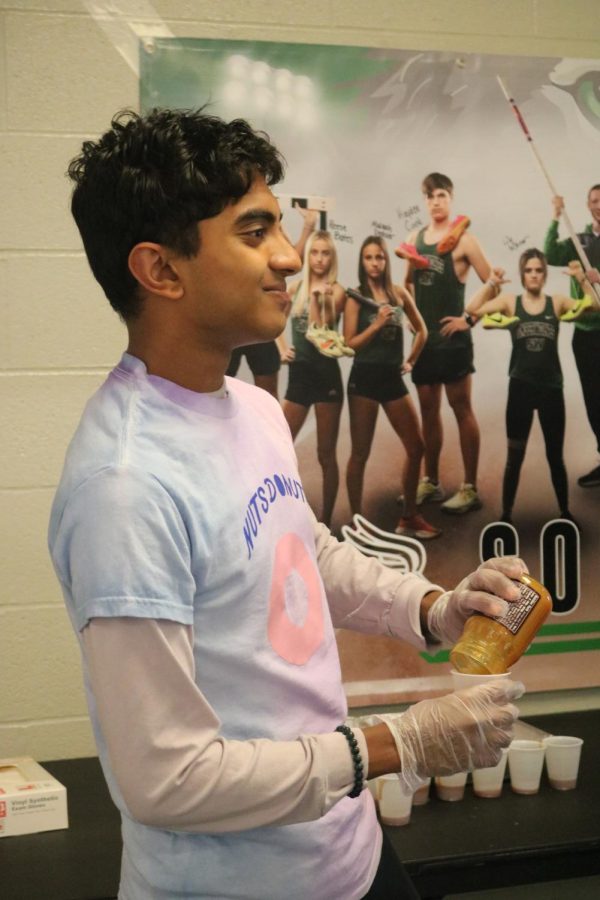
x=592, y=479
x=324, y=340
x=314, y=332
x=417, y=527
x=456, y=231
x=339, y=339
x=410, y=252
x=575, y=312
x=499, y=320
x=463, y=501
x=429, y=491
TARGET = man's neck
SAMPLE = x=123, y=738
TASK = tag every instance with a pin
x=438, y=226
x=197, y=370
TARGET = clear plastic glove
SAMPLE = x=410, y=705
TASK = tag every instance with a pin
x=486, y=590
x=456, y=733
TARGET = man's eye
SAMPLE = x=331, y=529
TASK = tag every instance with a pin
x=257, y=233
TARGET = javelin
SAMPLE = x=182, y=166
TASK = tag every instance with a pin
x=576, y=242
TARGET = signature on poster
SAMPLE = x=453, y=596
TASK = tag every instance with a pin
x=515, y=243
x=411, y=217
x=382, y=230
x=340, y=232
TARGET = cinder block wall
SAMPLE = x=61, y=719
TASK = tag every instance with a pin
x=61, y=79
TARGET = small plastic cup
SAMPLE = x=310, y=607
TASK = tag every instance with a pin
x=487, y=783
x=525, y=764
x=461, y=680
x=394, y=805
x=451, y=787
x=421, y=795
x=562, y=761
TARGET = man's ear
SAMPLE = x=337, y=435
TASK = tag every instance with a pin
x=150, y=265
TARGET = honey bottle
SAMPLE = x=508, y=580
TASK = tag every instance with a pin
x=490, y=646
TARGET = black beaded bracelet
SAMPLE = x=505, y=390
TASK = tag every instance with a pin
x=356, y=759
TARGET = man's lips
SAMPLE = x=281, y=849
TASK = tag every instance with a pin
x=280, y=294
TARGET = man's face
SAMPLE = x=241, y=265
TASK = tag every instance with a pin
x=594, y=206
x=534, y=276
x=438, y=203
x=235, y=291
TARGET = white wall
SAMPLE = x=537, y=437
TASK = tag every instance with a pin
x=61, y=79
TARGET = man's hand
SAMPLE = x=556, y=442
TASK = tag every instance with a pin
x=456, y=733
x=310, y=216
x=497, y=278
x=558, y=204
x=575, y=270
x=486, y=590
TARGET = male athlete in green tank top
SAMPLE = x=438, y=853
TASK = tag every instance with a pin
x=586, y=334
x=446, y=363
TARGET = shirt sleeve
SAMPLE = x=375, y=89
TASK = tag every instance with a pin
x=173, y=768
x=122, y=549
x=364, y=595
x=558, y=253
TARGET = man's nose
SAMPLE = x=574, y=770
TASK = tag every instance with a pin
x=285, y=257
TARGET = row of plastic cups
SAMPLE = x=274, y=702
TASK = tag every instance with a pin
x=525, y=763
x=525, y=758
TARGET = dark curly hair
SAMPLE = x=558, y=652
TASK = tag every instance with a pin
x=153, y=178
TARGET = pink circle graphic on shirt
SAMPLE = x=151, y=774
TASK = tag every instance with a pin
x=295, y=643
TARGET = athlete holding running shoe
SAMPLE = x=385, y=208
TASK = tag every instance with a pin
x=536, y=380
x=439, y=259
x=314, y=373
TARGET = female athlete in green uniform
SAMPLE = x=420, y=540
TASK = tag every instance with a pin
x=376, y=335
x=317, y=300
x=536, y=381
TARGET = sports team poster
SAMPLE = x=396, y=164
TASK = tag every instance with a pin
x=360, y=128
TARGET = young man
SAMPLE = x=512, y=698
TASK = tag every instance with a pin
x=203, y=592
x=586, y=337
x=439, y=259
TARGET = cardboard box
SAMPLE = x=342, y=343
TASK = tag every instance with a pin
x=31, y=799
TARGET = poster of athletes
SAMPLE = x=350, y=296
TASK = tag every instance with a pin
x=455, y=398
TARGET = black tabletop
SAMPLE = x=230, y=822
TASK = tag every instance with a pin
x=78, y=863
x=475, y=844
x=472, y=844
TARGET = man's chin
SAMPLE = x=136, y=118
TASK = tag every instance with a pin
x=266, y=332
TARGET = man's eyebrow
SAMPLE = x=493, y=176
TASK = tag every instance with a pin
x=259, y=214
